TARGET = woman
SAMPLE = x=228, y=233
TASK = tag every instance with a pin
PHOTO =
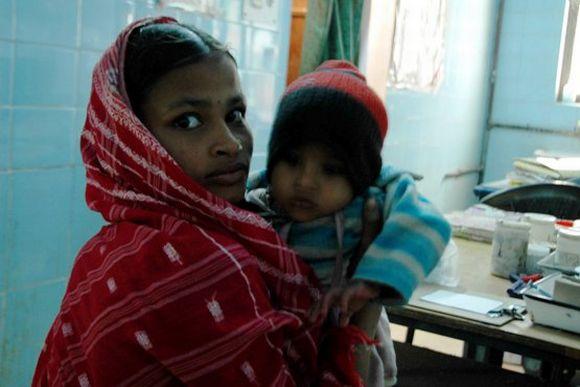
x=182, y=287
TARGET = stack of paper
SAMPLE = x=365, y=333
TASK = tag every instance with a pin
x=548, y=168
x=478, y=222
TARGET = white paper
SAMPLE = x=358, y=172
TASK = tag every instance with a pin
x=467, y=302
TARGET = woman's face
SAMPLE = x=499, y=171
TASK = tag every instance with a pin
x=197, y=112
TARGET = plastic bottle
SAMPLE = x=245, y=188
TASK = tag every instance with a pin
x=568, y=248
x=509, y=247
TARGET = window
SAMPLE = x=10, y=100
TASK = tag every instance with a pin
x=417, y=48
x=569, y=63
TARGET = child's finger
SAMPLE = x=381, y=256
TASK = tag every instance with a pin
x=345, y=310
x=328, y=301
x=314, y=312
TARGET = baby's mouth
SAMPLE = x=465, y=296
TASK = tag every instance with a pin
x=302, y=204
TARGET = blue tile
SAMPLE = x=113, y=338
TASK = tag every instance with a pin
x=44, y=76
x=41, y=226
x=52, y=22
x=169, y=11
x=41, y=137
x=2, y=335
x=87, y=62
x=98, y=23
x=124, y=15
x=29, y=315
x=144, y=8
x=6, y=20
x=560, y=116
x=6, y=51
x=5, y=219
x=85, y=222
x=5, y=118
x=79, y=122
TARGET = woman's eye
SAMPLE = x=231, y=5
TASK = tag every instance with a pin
x=236, y=116
x=187, y=121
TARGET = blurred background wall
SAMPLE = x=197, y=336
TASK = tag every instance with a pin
x=525, y=114
x=47, y=51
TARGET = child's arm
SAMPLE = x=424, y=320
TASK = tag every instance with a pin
x=410, y=243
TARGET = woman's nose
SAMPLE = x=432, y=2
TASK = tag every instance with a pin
x=226, y=143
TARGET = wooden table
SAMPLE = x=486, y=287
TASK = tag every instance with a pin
x=558, y=350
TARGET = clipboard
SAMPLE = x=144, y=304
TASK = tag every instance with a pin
x=426, y=297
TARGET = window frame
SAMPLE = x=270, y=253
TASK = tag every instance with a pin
x=569, y=34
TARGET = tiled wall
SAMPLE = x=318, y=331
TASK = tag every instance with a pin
x=47, y=51
x=525, y=93
x=440, y=133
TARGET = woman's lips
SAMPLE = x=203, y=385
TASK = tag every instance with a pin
x=229, y=176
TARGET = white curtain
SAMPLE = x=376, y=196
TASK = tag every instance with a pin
x=418, y=45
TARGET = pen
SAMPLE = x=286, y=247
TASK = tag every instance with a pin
x=532, y=285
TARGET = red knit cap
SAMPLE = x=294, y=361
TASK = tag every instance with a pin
x=344, y=76
x=335, y=107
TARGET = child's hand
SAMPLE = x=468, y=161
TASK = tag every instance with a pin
x=349, y=299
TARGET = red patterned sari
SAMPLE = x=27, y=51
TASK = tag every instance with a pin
x=181, y=287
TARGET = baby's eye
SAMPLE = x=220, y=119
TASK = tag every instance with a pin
x=333, y=169
x=236, y=116
x=291, y=157
x=187, y=122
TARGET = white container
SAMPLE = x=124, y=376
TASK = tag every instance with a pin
x=546, y=311
x=548, y=266
x=543, y=228
x=536, y=252
x=568, y=248
x=509, y=247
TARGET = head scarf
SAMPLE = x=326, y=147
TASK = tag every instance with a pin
x=182, y=285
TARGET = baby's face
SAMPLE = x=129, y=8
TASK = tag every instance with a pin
x=309, y=183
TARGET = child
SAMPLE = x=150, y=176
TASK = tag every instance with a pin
x=324, y=161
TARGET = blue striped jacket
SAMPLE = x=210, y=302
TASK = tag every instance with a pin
x=411, y=242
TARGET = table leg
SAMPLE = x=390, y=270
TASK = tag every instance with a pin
x=483, y=354
x=410, y=334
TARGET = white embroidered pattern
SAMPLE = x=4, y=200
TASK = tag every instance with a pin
x=143, y=339
x=248, y=371
x=84, y=380
x=124, y=195
x=67, y=330
x=172, y=254
x=215, y=309
x=112, y=285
